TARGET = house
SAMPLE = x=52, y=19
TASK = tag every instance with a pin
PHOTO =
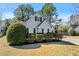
x=77, y=29
x=74, y=24
x=2, y=26
x=38, y=23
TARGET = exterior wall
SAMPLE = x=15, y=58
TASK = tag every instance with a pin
x=2, y=26
x=31, y=24
x=77, y=29
x=45, y=25
x=1, y=29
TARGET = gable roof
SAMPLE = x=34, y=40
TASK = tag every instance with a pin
x=39, y=12
x=43, y=20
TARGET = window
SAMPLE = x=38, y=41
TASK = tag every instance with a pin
x=35, y=18
x=34, y=30
x=42, y=30
x=40, y=19
x=27, y=33
x=27, y=30
x=47, y=30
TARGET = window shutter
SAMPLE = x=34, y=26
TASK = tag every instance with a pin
x=42, y=30
x=35, y=18
x=40, y=19
x=34, y=30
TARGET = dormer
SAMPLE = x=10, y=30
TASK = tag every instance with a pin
x=38, y=19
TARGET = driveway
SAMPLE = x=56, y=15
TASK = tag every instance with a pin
x=75, y=41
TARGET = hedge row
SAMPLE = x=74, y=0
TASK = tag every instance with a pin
x=43, y=37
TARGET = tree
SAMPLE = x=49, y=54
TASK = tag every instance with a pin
x=7, y=23
x=74, y=17
x=63, y=28
x=71, y=32
x=14, y=20
x=49, y=11
x=0, y=20
x=29, y=10
x=23, y=12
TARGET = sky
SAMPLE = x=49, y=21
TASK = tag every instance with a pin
x=64, y=10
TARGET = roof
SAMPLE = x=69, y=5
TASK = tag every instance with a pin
x=43, y=20
x=40, y=23
x=74, y=26
x=2, y=23
x=77, y=29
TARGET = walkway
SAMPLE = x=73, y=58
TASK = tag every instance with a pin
x=76, y=42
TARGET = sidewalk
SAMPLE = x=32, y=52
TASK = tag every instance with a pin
x=76, y=42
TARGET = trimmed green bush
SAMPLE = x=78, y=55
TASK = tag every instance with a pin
x=48, y=37
x=31, y=38
x=39, y=38
x=57, y=36
x=71, y=32
x=77, y=34
x=16, y=33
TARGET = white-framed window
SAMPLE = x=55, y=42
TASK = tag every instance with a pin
x=34, y=30
x=35, y=18
x=43, y=30
x=38, y=18
x=48, y=30
x=27, y=30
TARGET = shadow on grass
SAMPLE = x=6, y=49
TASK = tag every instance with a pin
x=38, y=45
x=60, y=42
x=27, y=46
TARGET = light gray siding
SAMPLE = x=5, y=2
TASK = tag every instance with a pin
x=31, y=24
x=45, y=25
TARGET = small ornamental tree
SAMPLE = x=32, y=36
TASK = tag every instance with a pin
x=16, y=33
x=71, y=32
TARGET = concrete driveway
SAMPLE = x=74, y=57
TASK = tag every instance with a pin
x=76, y=42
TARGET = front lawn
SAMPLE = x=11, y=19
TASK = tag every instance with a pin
x=39, y=49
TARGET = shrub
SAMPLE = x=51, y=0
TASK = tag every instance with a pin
x=48, y=36
x=31, y=38
x=57, y=35
x=63, y=29
x=77, y=34
x=39, y=38
x=16, y=33
x=71, y=32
